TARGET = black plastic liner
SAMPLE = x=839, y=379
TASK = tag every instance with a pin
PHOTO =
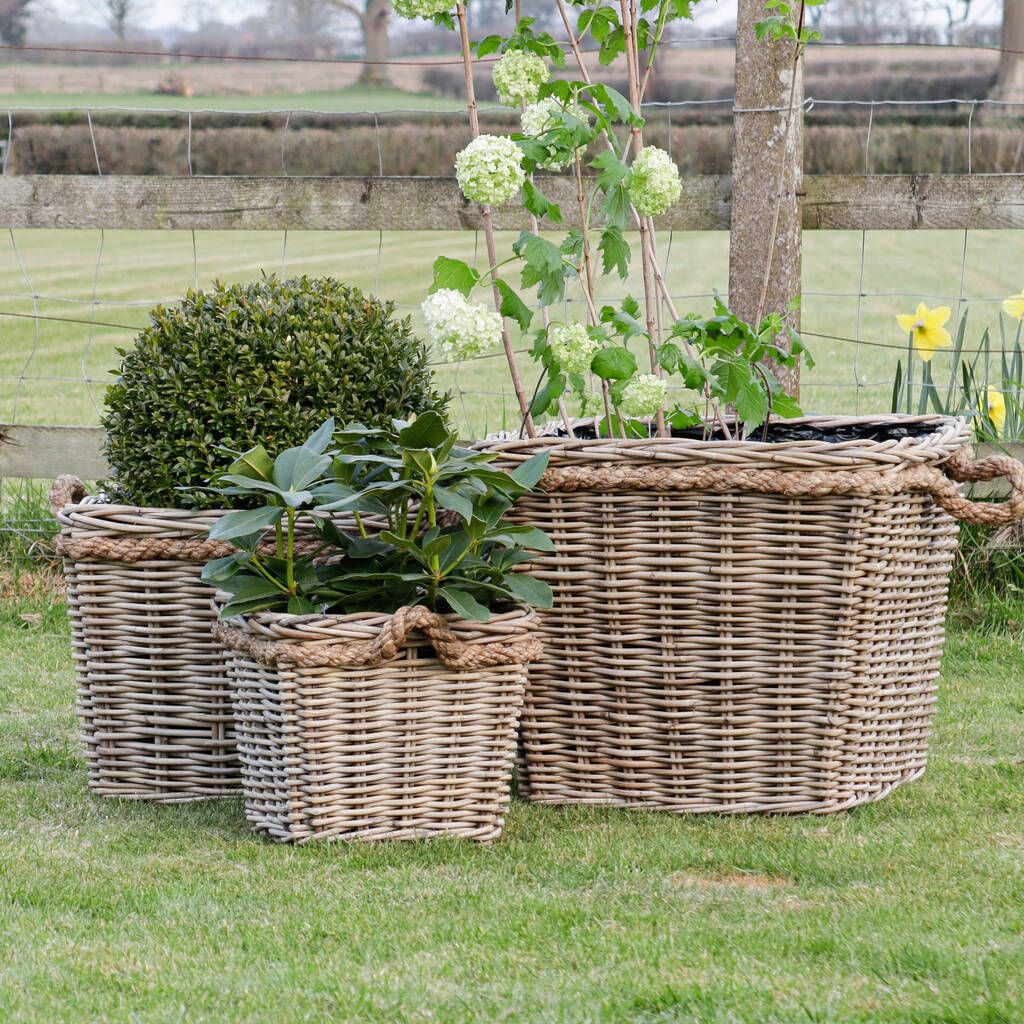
x=879, y=430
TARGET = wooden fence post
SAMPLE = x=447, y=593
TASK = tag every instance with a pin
x=765, y=155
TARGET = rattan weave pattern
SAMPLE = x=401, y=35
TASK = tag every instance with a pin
x=410, y=748
x=735, y=652
x=154, y=703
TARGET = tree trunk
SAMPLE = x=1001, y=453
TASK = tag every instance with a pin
x=1010, y=82
x=375, y=38
x=765, y=156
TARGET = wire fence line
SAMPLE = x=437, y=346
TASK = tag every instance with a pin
x=54, y=366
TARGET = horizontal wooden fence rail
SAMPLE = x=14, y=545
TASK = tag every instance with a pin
x=830, y=202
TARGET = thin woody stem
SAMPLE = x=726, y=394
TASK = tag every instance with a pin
x=563, y=412
x=584, y=229
x=628, y=12
x=485, y=213
x=658, y=276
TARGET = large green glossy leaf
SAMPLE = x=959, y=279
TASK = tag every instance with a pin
x=530, y=590
x=465, y=604
x=245, y=522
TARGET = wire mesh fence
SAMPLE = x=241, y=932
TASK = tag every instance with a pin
x=70, y=299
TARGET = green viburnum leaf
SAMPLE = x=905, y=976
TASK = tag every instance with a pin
x=785, y=406
x=616, y=363
x=454, y=274
x=539, y=205
x=487, y=45
x=615, y=205
x=611, y=170
x=742, y=388
x=544, y=266
x=551, y=391
x=614, y=251
x=512, y=306
x=572, y=244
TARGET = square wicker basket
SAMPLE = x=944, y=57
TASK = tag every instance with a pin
x=375, y=726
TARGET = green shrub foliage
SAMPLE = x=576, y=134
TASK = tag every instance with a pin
x=246, y=364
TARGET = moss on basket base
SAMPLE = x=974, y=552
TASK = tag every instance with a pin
x=265, y=362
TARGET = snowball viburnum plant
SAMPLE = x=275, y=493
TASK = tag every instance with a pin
x=615, y=362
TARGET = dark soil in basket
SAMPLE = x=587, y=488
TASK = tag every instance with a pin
x=777, y=432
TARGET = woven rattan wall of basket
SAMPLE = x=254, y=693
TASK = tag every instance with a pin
x=357, y=727
x=154, y=703
x=738, y=627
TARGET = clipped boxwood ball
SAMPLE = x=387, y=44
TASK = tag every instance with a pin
x=245, y=364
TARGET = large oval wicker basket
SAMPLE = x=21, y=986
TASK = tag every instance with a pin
x=377, y=726
x=742, y=626
x=154, y=703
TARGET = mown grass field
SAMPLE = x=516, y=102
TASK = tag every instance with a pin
x=136, y=269
x=905, y=912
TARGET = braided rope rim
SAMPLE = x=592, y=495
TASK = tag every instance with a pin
x=370, y=640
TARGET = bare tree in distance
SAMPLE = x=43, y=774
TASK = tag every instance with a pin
x=14, y=21
x=373, y=18
x=1010, y=81
x=956, y=13
x=118, y=13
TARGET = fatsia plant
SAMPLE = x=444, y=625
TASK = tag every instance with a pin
x=632, y=365
x=428, y=526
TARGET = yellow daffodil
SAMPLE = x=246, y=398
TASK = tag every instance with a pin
x=995, y=405
x=928, y=327
x=1014, y=306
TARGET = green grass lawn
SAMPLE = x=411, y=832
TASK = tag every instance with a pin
x=136, y=269
x=906, y=911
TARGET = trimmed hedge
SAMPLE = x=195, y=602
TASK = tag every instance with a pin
x=243, y=364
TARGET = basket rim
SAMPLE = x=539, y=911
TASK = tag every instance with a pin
x=951, y=434
x=320, y=626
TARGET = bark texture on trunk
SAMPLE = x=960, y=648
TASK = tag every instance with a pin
x=1010, y=81
x=375, y=38
x=765, y=155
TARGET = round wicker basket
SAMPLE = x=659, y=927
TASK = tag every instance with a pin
x=376, y=726
x=154, y=704
x=742, y=626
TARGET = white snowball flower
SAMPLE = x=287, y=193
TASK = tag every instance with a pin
x=490, y=169
x=421, y=8
x=654, y=183
x=572, y=346
x=518, y=76
x=460, y=328
x=644, y=395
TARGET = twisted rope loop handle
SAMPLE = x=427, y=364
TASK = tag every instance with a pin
x=66, y=490
x=816, y=483
x=961, y=467
x=384, y=647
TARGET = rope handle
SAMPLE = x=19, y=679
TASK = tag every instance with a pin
x=384, y=647
x=965, y=469
x=66, y=490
